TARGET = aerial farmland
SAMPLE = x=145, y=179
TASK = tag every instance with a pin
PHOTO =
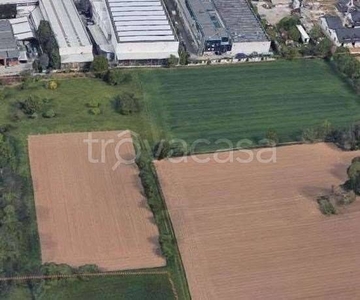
x=254, y=231
x=244, y=102
x=221, y=231
x=87, y=212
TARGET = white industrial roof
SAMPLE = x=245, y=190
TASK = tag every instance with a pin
x=36, y=17
x=140, y=20
x=19, y=2
x=21, y=28
x=65, y=22
x=100, y=38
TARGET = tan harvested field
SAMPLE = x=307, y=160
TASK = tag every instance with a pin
x=86, y=212
x=254, y=231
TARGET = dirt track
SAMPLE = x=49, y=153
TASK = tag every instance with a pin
x=253, y=231
x=86, y=212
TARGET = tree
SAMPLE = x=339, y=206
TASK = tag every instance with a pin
x=323, y=48
x=324, y=130
x=172, y=61
x=294, y=34
x=100, y=64
x=354, y=176
x=184, y=57
x=162, y=150
x=288, y=23
x=316, y=32
x=49, y=44
x=167, y=245
x=6, y=151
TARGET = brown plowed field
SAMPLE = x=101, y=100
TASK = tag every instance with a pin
x=254, y=231
x=86, y=212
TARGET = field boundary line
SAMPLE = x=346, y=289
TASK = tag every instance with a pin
x=101, y=274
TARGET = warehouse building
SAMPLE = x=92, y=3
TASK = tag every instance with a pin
x=224, y=26
x=138, y=31
x=9, y=53
x=75, y=47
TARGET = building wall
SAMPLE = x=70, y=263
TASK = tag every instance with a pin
x=330, y=33
x=250, y=47
x=147, y=51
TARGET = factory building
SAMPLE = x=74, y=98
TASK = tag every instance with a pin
x=137, y=30
x=210, y=33
x=224, y=26
x=9, y=53
x=75, y=47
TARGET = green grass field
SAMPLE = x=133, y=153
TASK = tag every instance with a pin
x=245, y=101
x=147, y=287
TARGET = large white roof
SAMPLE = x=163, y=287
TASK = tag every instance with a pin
x=19, y=2
x=140, y=20
x=65, y=22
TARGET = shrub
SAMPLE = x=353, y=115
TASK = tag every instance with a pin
x=93, y=104
x=167, y=245
x=95, y=111
x=49, y=114
x=346, y=198
x=127, y=104
x=326, y=207
x=117, y=77
x=31, y=105
x=309, y=135
x=172, y=61
x=272, y=137
x=18, y=115
x=34, y=116
x=52, y=85
x=100, y=64
x=87, y=269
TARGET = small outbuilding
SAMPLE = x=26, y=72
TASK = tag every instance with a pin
x=305, y=38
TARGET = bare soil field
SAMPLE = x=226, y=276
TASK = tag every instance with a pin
x=88, y=213
x=254, y=231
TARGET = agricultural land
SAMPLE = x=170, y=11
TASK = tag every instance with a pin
x=89, y=210
x=231, y=102
x=244, y=102
x=254, y=231
x=70, y=101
